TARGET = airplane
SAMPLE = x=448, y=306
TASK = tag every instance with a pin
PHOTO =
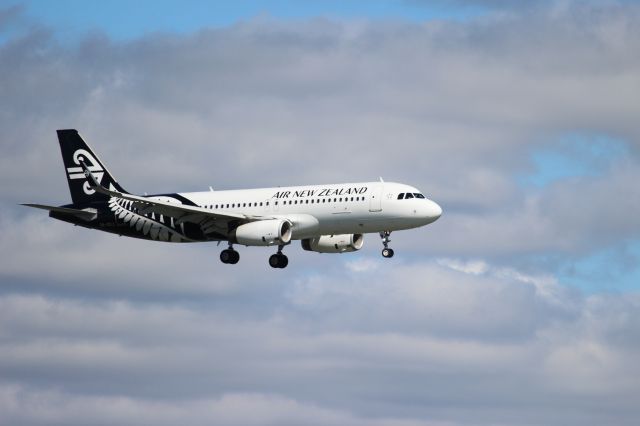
x=325, y=218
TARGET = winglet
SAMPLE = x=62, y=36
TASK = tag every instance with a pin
x=381, y=179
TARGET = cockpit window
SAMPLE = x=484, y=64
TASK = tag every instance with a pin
x=408, y=195
x=418, y=195
x=400, y=196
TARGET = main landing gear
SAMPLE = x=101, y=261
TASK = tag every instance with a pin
x=386, y=251
x=229, y=255
x=278, y=260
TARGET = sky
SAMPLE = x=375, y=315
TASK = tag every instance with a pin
x=519, y=306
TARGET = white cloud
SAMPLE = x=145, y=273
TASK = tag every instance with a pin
x=476, y=267
x=53, y=408
x=460, y=327
x=360, y=347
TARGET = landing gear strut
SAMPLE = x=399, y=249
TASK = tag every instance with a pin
x=278, y=260
x=386, y=251
x=229, y=255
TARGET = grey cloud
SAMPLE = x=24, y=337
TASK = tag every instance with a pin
x=233, y=409
x=95, y=328
x=572, y=217
x=410, y=349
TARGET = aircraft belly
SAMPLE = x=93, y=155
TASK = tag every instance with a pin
x=355, y=225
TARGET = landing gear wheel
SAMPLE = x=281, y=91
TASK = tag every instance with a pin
x=278, y=260
x=388, y=253
x=229, y=256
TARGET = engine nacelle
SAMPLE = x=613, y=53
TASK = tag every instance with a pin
x=263, y=233
x=334, y=243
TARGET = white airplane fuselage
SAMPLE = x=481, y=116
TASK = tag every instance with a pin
x=327, y=209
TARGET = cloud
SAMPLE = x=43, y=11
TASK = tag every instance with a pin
x=231, y=409
x=435, y=345
x=470, y=323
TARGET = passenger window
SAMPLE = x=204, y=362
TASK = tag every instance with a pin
x=400, y=196
x=340, y=199
x=408, y=195
x=295, y=202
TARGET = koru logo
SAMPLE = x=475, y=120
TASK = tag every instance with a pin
x=91, y=163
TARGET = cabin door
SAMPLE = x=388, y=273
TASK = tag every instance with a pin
x=375, y=198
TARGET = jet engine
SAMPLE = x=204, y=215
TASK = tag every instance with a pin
x=334, y=243
x=263, y=233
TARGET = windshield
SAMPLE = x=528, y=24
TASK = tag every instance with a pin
x=407, y=195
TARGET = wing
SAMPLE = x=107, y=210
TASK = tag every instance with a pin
x=209, y=221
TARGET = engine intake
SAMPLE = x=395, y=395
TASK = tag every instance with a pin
x=334, y=243
x=263, y=233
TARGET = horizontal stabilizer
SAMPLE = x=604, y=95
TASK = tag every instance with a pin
x=87, y=214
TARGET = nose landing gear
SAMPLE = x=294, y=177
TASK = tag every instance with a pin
x=278, y=260
x=386, y=251
x=230, y=255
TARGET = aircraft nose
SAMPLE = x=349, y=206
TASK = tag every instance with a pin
x=434, y=211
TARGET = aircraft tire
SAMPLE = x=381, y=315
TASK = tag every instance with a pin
x=229, y=256
x=274, y=261
x=387, y=252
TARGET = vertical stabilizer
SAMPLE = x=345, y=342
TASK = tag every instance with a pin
x=74, y=151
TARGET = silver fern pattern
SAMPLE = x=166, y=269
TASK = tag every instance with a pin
x=156, y=228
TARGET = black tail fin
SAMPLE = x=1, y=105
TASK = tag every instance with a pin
x=74, y=150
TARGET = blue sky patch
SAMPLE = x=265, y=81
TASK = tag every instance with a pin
x=123, y=20
x=573, y=155
x=614, y=269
